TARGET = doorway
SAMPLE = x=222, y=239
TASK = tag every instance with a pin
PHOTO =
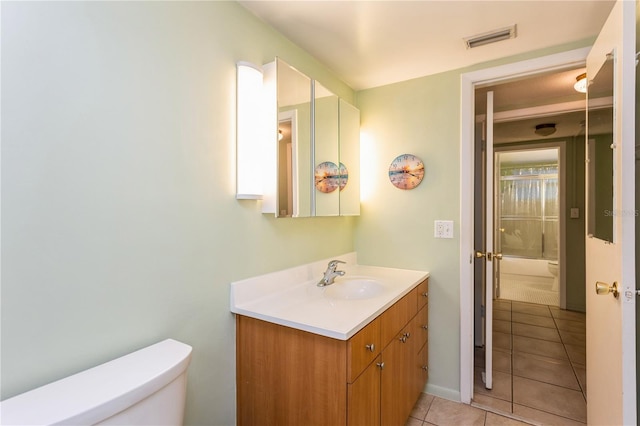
x=470, y=82
x=538, y=349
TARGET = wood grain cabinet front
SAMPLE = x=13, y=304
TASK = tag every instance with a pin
x=286, y=376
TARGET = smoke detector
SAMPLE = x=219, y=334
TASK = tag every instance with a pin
x=491, y=37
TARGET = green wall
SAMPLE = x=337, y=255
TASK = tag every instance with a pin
x=120, y=226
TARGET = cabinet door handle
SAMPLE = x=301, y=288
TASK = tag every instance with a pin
x=403, y=339
x=425, y=368
x=425, y=294
x=407, y=334
x=371, y=347
x=381, y=365
x=426, y=326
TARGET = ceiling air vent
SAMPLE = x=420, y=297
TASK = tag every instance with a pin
x=491, y=37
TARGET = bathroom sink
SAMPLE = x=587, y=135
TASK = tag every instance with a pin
x=354, y=289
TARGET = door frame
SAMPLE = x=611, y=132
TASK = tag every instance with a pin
x=468, y=82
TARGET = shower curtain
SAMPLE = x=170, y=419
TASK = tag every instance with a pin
x=528, y=211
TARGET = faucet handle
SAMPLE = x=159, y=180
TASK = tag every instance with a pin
x=334, y=263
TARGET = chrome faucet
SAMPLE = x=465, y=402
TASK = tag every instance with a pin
x=330, y=274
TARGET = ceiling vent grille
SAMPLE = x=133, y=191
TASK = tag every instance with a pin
x=491, y=37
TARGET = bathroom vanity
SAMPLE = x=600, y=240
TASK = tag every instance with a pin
x=352, y=353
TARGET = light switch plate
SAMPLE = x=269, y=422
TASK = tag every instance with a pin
x=443, y=229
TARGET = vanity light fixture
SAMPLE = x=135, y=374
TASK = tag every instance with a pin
x=249, y=139
x=581, y=83
x=545, y=129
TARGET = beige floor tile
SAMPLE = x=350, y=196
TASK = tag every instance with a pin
x=533, y=320
x=444, y=413
x=577, y=354
x=543, y=417
x=550, y=398
x=499, y=314
x=501, y=385
x=413, y=422
x=536, y=332
x=503, y=305
x=581, y=373
x=544, y=369
x=498, y=420
x=572, y=326
x=568, y=315
x=502, y=360
x=502, y=340
x=492, y=403
x=569, y=338
x=502, y=326
x=422, y=406
x=539, y=347
x=532, y=309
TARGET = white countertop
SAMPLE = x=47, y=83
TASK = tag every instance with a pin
x=292, y=298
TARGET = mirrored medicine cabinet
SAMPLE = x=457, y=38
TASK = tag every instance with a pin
x=601, y=145
x=318, y=148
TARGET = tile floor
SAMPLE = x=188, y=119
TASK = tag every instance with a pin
x=538, y=364
x=431, y=410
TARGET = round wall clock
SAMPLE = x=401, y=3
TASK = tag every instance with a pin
x=327, y=177
x=406, y=171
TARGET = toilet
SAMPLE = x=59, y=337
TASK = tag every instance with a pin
x=146, y=387
x=553, y=269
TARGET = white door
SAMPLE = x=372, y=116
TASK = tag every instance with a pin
x=611, y=374
x=488, y=254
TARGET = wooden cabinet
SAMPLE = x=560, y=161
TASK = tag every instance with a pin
x=287, y=376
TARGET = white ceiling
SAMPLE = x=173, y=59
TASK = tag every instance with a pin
x=373, y=43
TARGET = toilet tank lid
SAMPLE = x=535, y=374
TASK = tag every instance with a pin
x=100, y=392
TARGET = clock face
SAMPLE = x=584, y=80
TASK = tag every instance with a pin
x=406, y=171
x=327, y=177
x=344, y=176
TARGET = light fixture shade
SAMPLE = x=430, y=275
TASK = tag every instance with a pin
x=249, y=133
x=581, y=83
x=545, y=129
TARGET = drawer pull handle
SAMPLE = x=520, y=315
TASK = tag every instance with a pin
x=381, y=365
x=371, y=347
x=425, y=294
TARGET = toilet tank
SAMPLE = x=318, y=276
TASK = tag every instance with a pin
x=146, y=387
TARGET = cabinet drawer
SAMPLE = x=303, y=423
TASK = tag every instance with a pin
x=419, y=330
x=362, y=349
x=398, y=316
x=423, y=293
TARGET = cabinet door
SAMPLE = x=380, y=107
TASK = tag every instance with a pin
x=397, y=398
x=363, y=406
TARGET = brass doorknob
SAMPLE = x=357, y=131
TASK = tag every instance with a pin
x=604, y=288
x=480, y=254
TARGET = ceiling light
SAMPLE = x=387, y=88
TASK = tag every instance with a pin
x=491, y=37
x=545, y=129
x=581, y=83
